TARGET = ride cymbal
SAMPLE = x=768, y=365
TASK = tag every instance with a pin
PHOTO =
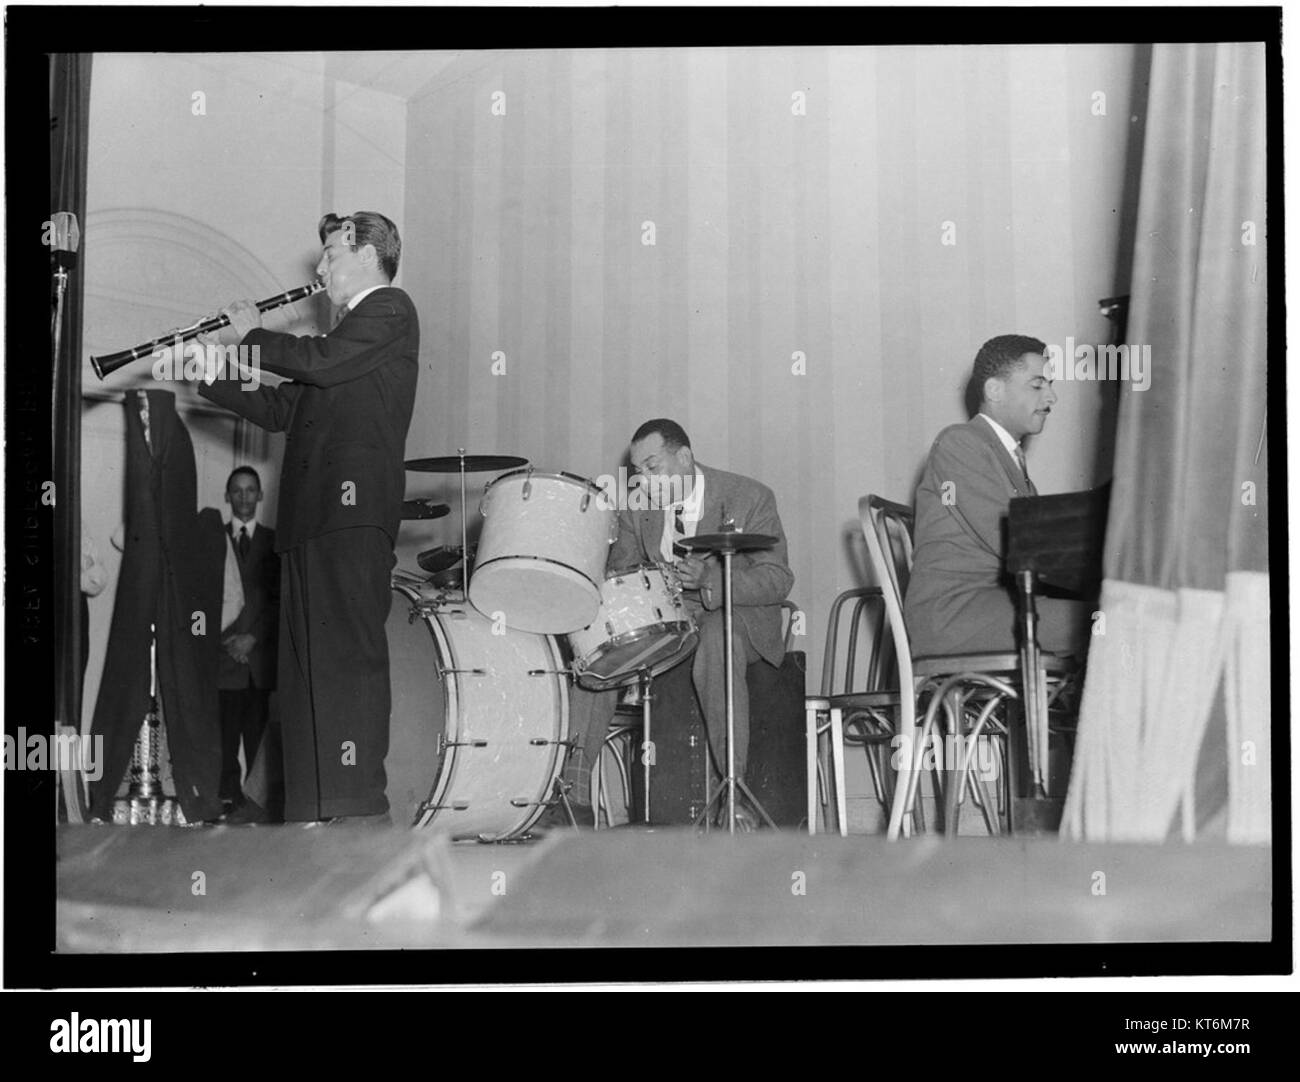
x=467, y=463
x=731, y=541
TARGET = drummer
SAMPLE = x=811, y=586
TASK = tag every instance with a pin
x=684, y=498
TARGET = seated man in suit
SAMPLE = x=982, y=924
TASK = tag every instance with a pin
x=246, y=670
x=959, y=599
x=706, y=499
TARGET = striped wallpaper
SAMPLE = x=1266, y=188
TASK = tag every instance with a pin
x=797, y=202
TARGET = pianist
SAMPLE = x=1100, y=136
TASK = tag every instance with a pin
x=959, y=599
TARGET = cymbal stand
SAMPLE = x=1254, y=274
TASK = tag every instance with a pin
x=464, y=538
x=644, y=678
x=731, y=782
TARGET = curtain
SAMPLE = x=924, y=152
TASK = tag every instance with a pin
x=1174, y=724
x=69, y=75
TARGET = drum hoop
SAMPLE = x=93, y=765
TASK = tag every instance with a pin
x=561, y=475
x=639, y=569
x=540, y=559
x=627, y=638
x=443, y=659
x=604, y=683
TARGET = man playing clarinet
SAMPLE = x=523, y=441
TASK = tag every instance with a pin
x=345, y=413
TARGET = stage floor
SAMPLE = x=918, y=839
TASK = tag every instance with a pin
x=161, y=889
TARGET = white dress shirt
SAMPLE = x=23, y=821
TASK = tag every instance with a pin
x=232, y=593
x=691, y=507
x=1013, y=447
x=362, y=296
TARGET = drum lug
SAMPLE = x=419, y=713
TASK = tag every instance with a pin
x=586, y=501
x=455, y=805
x=528, y=484
x=549, y=672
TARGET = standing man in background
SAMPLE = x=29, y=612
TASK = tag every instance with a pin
x=246, y=667
x=346, y=412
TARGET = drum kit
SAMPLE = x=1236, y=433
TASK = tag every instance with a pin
x=481, y=755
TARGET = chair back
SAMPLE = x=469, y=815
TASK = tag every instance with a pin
x=868, y=614
x=893, y=525
x=886, y=526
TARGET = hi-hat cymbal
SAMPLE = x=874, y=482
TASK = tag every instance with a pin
x=468, y=463
x=423, y=509
x=731, y=541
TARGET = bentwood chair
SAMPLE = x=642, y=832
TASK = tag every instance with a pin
x=972, y=691
x=850, y=710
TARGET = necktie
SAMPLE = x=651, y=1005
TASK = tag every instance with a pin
x=679, y=532
x=1024, y=468
x=243, y=542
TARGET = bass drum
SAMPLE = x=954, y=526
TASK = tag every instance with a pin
x=479, y=723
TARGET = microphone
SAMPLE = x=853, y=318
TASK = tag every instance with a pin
x=65, y=238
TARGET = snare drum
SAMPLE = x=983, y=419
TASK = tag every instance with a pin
x=642, y=623
x=541, y=555
x=480, y=716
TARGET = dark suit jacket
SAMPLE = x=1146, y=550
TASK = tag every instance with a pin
x=957, y=591
x=760, y=581
x=260, y=616
x=346, y=414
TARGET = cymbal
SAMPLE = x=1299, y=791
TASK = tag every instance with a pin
x=417, y=509
x=469, y=463
x=731, y=541
x=439, y=559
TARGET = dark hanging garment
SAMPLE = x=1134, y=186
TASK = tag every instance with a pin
x=167, y=579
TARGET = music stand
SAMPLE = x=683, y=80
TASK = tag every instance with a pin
x=727, y=544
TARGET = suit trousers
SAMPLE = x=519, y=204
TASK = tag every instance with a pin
x=709, y=670
x=1063, y=626
x=243, y=719
x=333, y=684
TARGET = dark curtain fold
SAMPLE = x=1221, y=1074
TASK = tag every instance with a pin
x=170, y=579
x=69, y=135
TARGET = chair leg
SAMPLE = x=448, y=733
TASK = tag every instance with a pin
x=810, y=761
x=596, y=792
x=954, y=708
x=837, y=762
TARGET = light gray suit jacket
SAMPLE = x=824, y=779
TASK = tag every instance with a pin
x=958, y=600
x=760, y=581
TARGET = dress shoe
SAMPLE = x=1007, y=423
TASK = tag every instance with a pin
x=380, y=819
x=249, y=814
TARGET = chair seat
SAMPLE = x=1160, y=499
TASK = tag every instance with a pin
x=861, y=700
x=950, y=664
